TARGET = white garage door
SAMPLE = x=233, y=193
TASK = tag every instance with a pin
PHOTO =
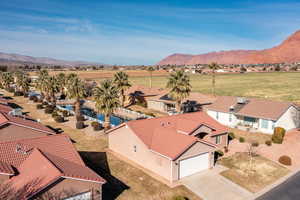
x=193, y=165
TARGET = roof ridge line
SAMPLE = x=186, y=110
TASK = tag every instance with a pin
x=35, y=138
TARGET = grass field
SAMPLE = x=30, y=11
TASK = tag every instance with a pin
x=273, y=85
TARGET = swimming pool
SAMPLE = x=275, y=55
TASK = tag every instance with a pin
x=114, y=121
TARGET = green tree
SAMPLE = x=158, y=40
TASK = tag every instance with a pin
x=7, y=79
x=41, y=83
x=214, y=66
x=122, y=83
x=150, y=70
x=76, y=90
x=107, y=100
x=180, y=88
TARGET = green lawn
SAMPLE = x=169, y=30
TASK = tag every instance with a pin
x=274, y=85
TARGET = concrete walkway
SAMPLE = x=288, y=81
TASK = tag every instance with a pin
x=210, y=185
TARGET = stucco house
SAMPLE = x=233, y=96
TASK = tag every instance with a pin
x=255, y=115
x=172, y=147
x=47, y=165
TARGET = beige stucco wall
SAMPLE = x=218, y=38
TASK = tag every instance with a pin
x=155, y=105
x=196, y=149
x=123, y=140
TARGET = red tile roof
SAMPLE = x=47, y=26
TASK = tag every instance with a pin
x=6, y=168
x=34, y=179
x=58, y=149
x=24, y=122
x=5, y=108
x=170, y=135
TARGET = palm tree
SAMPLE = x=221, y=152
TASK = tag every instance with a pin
x=43, y=75
x=122, y=83
x=76, y=90
x=7, y=79
x=61, y=81
x=107, y=100
x=180, y=88
x=150, y=70
x=52, y=87
x=214, y=66
x=23, y=83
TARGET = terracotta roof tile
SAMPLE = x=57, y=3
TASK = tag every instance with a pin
x=170, y=135
x=5, y=108
x=6, y=168
x=58, y=149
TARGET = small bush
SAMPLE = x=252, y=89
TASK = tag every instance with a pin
x=97, y=126
x=49, y=109
x=268, y=142
x=11, y=90
x=150, y=114
x=179, y=197
x=242, y=140
x=45, y=103
x=26, y=95
x=79, y=125
x=54, y=114
x=18, y=93
x=79, y=118
x=278, y=135
x=39, y=106
x=94, y=124
x=285, y=160
x=231, y=135
x=59, y=119
x=65, y=113
x=33, y=98
x=255, y=144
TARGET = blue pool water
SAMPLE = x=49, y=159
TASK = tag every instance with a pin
x=115, y=121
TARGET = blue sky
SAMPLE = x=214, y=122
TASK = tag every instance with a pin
x=141, y=32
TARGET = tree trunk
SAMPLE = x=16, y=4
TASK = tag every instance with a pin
x=213, y=83
x=77, y=108
x=123, y=98
x=178, y=106
x=106, y=121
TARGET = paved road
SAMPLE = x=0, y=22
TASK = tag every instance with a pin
x=288, y=190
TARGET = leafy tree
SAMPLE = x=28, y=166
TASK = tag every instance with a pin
x=122, y=83
x=180, y=88
x=214, y=66
x=107, y=100
x=75, y=90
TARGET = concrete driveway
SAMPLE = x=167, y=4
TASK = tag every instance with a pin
x=209, y=185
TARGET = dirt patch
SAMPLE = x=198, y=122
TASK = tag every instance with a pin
x=251, y=137
x=253, y=175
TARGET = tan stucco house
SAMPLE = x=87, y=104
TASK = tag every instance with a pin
x=172, y=147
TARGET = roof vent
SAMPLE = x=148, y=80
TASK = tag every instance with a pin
x=231, y=108
x=241, y=100
x=20, y=149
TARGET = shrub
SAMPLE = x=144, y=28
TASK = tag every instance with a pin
x=33, y=98
x=97, y=126
x=179, y=197
x=54, y=114
x=94, y=124
x=231, y=135
x=45, y=103
x=65, y=113
x=220, y=153
x=285, y=160
x=268, y=142
x=79, y=118
x=59, y=119
x=242, y=140
x=39, y=106
x=79, y=125
x=26, y=95
x=255, y=144
x=278, y=135
x=49, y=109
x=18, y=93
x=11, y=90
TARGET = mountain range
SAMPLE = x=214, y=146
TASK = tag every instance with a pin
x=288, y=51
x=10, y=58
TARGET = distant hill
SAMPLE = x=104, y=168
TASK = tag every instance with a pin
x=10, y=58
x=287, y=51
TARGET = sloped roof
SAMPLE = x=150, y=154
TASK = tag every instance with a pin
x=170, y=135
x=5, y=108
x=258, y=108
x=35, y=173
x=58, y=149
x=24, y=122
x=6, y=168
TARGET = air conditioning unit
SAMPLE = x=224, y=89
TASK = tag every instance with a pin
x=16, y=112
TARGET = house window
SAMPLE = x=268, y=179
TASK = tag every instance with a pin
x=218, y=139
x=264, y=124
x=217, y=115
x=134, y=148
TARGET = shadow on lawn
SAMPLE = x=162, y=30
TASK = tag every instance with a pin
x=97, y=161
